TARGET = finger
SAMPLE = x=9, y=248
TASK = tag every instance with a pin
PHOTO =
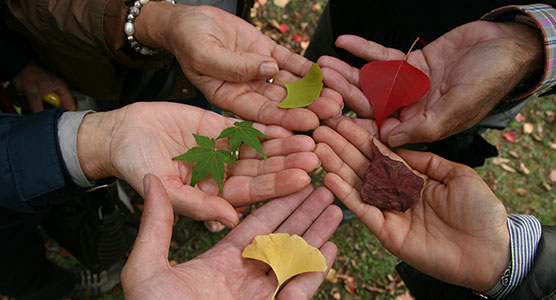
x=337, y=79
x=348, y=152
x=370, y=215
x=291, y=62
x=306, y=161
x=433, y=166
x=332, y=163
x=34, y=100
x=235, y=66
x=270, y=131
x=267, y=218
x=244, y=190
x=368, y=125
x=279, y=147
x=65, y=97
x=304, y=286
x=341, y=68
x=324, y=226
x=196, y=204
x=357, y=136
x=367, y=50
x=151, y=246
x=307, y=213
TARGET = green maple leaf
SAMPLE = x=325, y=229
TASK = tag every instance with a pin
x=243, y=132
x=304, y=91
x=208, y=161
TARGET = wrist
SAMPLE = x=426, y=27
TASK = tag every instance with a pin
x=93, y=144
x=152, y=27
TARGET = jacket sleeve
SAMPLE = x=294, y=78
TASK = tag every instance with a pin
x=32, y=172
x=539, y=283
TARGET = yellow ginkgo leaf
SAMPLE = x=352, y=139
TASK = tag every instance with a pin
x=304, y=91
x=287, y=255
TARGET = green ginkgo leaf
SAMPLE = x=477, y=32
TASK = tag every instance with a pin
x=304, y=91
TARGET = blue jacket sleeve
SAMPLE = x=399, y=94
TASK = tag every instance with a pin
x=32, y=171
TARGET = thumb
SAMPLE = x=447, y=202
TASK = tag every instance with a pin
x=234, y=66
x=153, y=240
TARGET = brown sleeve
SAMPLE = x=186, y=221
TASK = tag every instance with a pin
x=92, y=24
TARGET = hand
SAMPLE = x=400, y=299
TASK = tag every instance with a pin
x=229, y=60
x=471, y=68
x=456, y=232
x=35, y=82
x=221, y=272
x=143, y=138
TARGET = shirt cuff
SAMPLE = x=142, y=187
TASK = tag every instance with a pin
x=525, y=234
x=68, y=125
x=543, y=17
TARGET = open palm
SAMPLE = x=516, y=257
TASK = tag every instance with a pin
x=221, y=272
x=222, y=59
x=146, y=136
x=472, y=68
x=455, y=232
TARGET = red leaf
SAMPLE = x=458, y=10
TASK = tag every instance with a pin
x=284, y=28
x=520, y=117
x=389, y=85
x=509, y=136
x=297, y=37
x=553, y=176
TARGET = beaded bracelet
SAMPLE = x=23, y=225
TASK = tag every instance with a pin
x=129, y=28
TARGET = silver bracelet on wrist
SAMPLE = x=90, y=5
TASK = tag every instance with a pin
x=129, y=28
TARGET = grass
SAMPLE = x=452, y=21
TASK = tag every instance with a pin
x=365, y=270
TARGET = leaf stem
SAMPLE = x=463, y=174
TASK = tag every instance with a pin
x=411, y=48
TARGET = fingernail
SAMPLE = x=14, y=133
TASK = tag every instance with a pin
x=146, y=184
x=268, y=69
x=231, y=225
x=341, y=111
x=398, y=140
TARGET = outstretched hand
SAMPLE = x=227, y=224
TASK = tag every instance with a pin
x=221, y=272
x=456, y=232
x=472, y=68
x=143, y=138
x=229, y=60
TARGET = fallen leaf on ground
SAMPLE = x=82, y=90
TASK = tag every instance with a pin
x=553, y=145
x=509, y=136
x=528, y=128
x=274, y=24
x=521, y=191
x=546, y=186
x=262, y=2
x=507, y=168
x=297, y=38
x=172, y=263
x=513, y=154
x=335, y=293
x=316, y=7
x=304, y=91
x=553, y=176
x=284, y=28
x=523, y=168
x=500, y=160
x=536, y=137
x=281, y=3
x=520, y=117
x=331, y=276
x=287, y=255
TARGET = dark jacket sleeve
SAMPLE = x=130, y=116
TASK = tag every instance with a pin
x=540, y=282
x=32, y=171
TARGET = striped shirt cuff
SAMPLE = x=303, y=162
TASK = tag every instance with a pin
x=525, y=234
x=543, y=17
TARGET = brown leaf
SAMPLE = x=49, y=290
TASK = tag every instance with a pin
x=274, y=24
x=513, y=154
x=546, y=186
x=390, y=183
x=507, y=168
x=173, y=263
x=374, y=289
x=316, y=7
x=500, y=160
x=335, y=293
x=536, y=137
x=521, y=191
x=523, y=169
